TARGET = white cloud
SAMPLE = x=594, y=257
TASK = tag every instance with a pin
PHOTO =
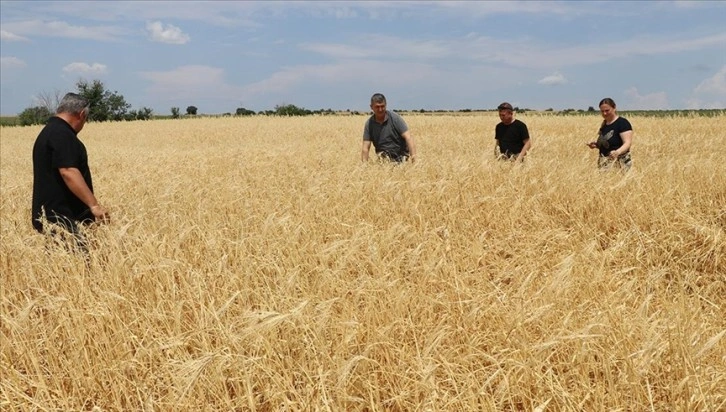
x=85, y=68
x=62, y=29
x=368, y=46
x=341, y=73
x=714, y=85
x=486, y=8
x=652, y=101
x=527, y=54
x=689, y=4
x=524, y=53
x=407, y=85
x=239, y=14
x=8, y=36
x=553, y=79
x=166, y=34
x=190, y=82
x=696, y=104
x=339, y=51
x=10, y=62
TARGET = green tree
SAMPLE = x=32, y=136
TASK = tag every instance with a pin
x=142, y=114
x=174, y=112
x=105, y=105
x=291, y=110
x=34, y=115
x=192, y=110
x=241, y=111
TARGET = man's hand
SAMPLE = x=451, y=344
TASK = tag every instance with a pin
x=100, y=213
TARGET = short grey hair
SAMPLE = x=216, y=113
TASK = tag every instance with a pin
x=73, y=103
x=378, y=98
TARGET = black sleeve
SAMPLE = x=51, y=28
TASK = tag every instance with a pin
x=64, y=151
x=624, y=125
x=524, y=132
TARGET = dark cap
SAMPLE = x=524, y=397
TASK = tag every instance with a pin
x=505, y=106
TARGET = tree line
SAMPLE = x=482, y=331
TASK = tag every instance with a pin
x=106, y=105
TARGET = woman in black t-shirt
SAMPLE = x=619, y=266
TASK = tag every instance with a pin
x=614, y=139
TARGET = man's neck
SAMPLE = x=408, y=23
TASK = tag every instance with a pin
x=70, y=119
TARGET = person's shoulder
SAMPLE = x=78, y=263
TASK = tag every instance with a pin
x=518, y=125
x=51, y=126
x=58, y=128
x=397, y=118
x=624, y=122
x=53, y=121
x=57, y=122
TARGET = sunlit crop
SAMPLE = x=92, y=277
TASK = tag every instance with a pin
x=256, y=264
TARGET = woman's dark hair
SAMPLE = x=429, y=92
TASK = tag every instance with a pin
x=608, y=101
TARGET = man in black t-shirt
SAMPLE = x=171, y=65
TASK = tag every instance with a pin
x=62, y=185
x=512, y=136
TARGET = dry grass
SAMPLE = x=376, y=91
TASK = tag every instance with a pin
x=255, y=264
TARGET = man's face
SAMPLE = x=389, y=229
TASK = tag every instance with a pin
x=506, y=116
x=379, y=109
x=82, y=119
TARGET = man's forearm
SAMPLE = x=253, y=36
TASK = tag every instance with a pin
x=411, y=149
x=525, y=149
x=77, y=185
x=410, y=144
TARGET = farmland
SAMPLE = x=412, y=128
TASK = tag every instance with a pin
x=255, y=264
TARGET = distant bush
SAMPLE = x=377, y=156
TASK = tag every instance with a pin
x=9, y=121
x=142, y=114
x=34, y=115
x=241, y=111
x=291, y=110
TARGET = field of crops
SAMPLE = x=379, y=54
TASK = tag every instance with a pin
x=255, y=264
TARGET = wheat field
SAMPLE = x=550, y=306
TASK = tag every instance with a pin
x=255, y=264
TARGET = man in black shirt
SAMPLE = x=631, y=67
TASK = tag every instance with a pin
x=512, y=136
x=62, y=185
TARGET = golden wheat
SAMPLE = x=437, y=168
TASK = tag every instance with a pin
x=256, y=264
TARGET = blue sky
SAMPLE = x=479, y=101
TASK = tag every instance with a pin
x=452, y=55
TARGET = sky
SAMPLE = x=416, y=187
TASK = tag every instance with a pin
x=432, y=55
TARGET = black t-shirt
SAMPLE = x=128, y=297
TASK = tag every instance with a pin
x=511, y=137
x=609, y=135
x=58, y=146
